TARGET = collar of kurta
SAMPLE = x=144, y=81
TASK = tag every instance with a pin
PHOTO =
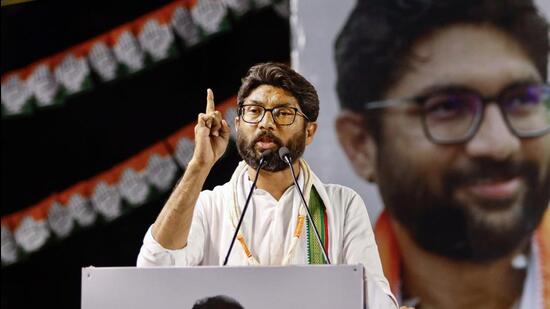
x=313, y=192
x=391, y=256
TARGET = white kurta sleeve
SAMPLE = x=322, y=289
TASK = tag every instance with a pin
x=360, y=247
x=153, y=254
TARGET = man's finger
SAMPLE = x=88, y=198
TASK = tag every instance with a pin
x=206, y=120
x=201, y=128
x=217, y=115
x=216, y=123
x=210, y=107
x=225, y=131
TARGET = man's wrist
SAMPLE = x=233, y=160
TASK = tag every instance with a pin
x=200, y=165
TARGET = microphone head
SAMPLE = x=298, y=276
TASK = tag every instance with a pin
x=284, y=153
x=266, y=154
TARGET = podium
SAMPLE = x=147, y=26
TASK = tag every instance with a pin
x=268, y=287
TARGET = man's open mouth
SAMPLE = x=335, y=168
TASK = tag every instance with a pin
x=266, y=142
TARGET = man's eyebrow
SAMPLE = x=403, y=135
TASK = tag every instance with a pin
x=285, y=104
x=447, y=87
x=522, y=82
x=438, y=88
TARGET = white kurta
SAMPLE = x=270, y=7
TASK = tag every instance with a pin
x=268, y=228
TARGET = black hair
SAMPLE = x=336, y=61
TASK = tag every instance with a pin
x=217, y=302
x=282, y=76
x=372, y=50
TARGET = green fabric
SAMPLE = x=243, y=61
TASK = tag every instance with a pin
x=317, y=209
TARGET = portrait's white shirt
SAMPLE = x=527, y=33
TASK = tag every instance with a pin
x=268, y=228
x=532, y=296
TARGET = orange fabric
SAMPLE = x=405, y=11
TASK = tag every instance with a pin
x=245, y=247
x=225, y=105
x=111, y=176
x=299, y=226
x=162, y=15
x=14, y=220
x=87, y=46
x=82, y=188
x=543, y=239
x=137, y=25
x=158, y=148
x=117, y=32
x=8, y=221
x=38, y=212
x=140, y=160
x=78, y=51
x=47, y=62
x=23, y=74
x=388, y=250
x=187, y=131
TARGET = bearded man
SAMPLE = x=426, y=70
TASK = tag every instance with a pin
x=277, y=107
x=446, y=106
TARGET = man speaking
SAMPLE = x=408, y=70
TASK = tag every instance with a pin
x=277, y=116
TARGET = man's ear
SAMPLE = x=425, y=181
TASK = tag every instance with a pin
x=237, y=120
x=311, y=128
x=358, y=143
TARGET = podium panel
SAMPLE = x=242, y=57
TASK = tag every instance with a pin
x=270, y=287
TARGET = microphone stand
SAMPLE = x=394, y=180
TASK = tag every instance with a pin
x=265, y=154
x=284, y=153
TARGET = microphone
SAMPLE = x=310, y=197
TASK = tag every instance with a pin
x=263, y=160
x=284, y=154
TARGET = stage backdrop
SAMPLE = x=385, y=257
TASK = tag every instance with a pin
x=315, y=25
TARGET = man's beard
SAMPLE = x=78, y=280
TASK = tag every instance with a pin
x=247, y=149
x=441, y=224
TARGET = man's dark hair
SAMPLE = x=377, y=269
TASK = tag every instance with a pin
x=282, y=76
x=217, y=302
x=372, y=50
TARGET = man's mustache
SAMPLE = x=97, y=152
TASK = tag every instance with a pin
x=267, y=134
x=489, y=169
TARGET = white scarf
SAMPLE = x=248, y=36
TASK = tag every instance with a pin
x=286, y=253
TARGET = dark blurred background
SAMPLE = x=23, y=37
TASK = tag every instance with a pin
x=52, y=149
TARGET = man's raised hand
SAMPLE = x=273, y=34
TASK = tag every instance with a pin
x=211, y=134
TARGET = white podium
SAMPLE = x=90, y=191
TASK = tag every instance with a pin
x=320, y=287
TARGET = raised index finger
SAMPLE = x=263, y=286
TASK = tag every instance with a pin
x=210, y=107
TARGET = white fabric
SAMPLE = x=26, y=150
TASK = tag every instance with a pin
x=532, y=287
x=268, y=228
x=270, y=223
